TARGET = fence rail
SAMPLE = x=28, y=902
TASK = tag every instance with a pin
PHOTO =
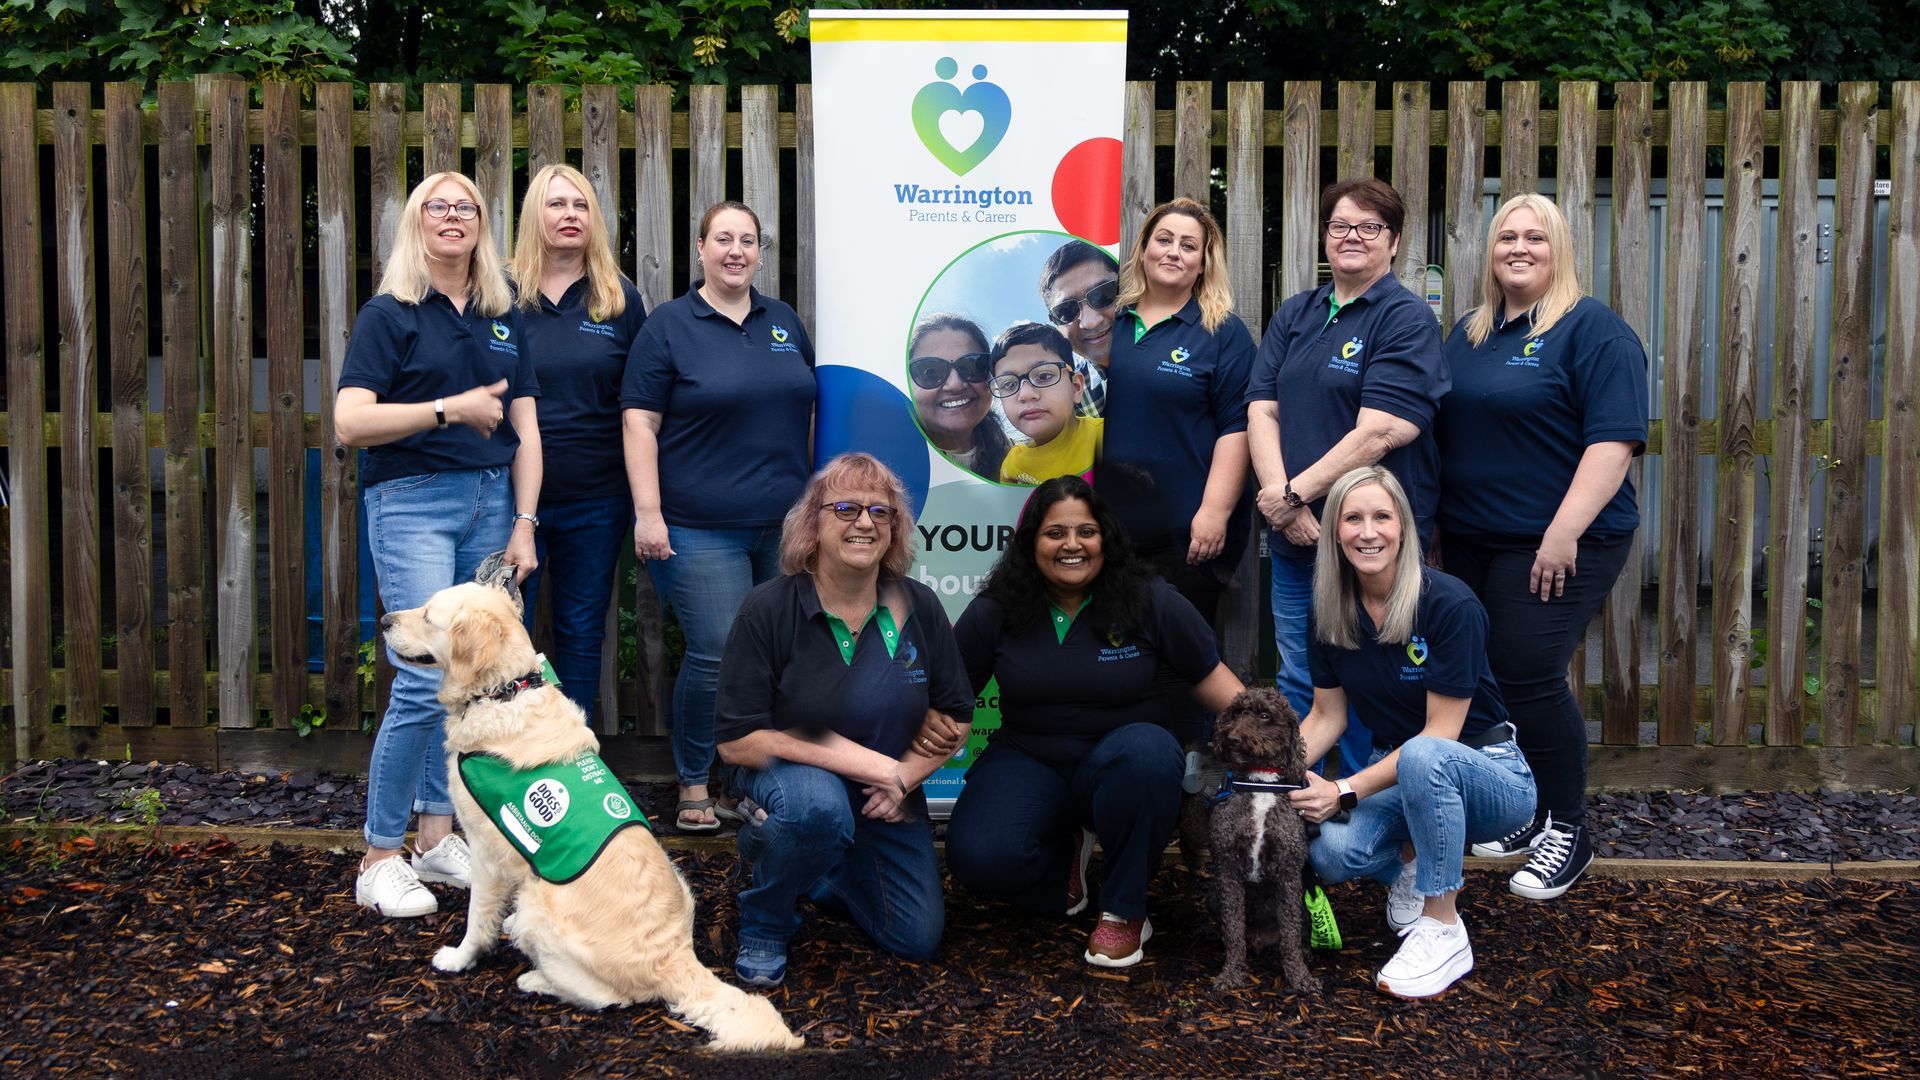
x=215, y=183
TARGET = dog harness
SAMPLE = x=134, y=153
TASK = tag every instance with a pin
x=559, y=816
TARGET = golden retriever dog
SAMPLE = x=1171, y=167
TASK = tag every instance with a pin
x=620, y=933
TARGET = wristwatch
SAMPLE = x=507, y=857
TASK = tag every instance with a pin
x=523, y=516
x=1292, y=497
x=1348, y=797
x=440, y=412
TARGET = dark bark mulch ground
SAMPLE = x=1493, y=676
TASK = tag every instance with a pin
x=216, y=960
x=1764, y=826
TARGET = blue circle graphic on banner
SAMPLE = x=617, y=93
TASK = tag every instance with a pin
x=862, y=411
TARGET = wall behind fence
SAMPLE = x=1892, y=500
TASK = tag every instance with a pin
x=181, y=275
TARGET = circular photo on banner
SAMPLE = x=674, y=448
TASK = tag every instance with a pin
x=1007, y=356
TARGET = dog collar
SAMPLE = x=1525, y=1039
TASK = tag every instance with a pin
x=531, y=680
x=1239, y=780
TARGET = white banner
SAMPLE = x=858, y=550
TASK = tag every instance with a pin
x=955, y=154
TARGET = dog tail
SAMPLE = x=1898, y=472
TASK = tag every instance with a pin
x=740, y=1022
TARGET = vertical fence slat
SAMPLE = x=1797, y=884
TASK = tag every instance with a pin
x=1632, y=299
x=180, y=399
x=1246, y=119
x=286, y=393
x=1136, y=165
x=493, y=160
x=232, y=220
x=600, y=149
x=441, y=138
x=760, y=176
x=1573, y=179
x=339, y=468
x=32, y=606
x=803, y=227
x=546, y=126
x=652, y=189
x=1900, y=468
x=1733, y=468
x=386, y=169
x=1849, y=350
x=1356, y=130
x=1300, y=190
x=1466, y=162
x=1519, y=139
x=79, y=375
x=1193, y=140
x=127, y=341
x=1791, y=467
x=1412, y=170
x=1684, y=327
x=707, y=158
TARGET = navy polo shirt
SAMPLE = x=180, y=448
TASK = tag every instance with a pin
x=1524, y=409
x=1059, y=697
x=581, y=363
x=1170, y=396
x=737, y=408
x=1381, y=351
x=782, y=669
x=1387, y=685
x=409, y=353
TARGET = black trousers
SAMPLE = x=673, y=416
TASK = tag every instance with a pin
x=1530, y=642
x=1202, y=587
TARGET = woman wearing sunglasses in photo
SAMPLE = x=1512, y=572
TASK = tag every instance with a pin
x=948, y=368
x=830, y=673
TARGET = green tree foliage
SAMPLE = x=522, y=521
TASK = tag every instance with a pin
x=96, y=40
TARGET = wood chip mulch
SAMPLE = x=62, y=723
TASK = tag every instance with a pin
x=216, y=960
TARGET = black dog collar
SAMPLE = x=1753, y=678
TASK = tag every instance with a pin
x=531, y=680
x=1233, y=784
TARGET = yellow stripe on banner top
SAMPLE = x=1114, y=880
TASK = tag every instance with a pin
x=1042, y=30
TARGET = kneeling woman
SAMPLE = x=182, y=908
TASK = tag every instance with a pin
x=1074, y=626
x=828, y=673
x=1407, y=646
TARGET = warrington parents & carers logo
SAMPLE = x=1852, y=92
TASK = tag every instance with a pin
x=961, y=129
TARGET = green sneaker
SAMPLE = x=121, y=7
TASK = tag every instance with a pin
x=1326, y=928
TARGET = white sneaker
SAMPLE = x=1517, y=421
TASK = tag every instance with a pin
x=1431, y=958
x=1405, y=905
x=391, y=888
x=448, y=862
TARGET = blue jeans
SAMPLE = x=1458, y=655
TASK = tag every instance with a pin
x=578, y=544
x=1446, y=796
x=427, y=532
x=815, y=842
x=1018, y=820
x=1292, y=609
x=705, y=581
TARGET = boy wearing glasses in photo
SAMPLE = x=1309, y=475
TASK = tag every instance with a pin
x=1038, y=390
x=1080, y=285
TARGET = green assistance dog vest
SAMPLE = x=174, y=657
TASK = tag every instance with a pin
x=559, y=817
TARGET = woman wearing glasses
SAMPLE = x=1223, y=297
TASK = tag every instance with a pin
x=949, y=370
x=1080, y=286
x=435, y=365
x=830, y=672
x=718, y=419
x=1075, y=627
x=582, y=317
x=1349, y=374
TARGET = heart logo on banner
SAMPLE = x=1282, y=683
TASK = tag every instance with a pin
x=961, y=128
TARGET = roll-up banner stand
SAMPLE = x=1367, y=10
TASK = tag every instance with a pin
x=954, y=155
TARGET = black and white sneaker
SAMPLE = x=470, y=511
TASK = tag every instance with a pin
x=1562, y=855
x=1521, y=841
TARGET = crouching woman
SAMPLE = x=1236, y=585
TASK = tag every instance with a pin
x=1407, y=646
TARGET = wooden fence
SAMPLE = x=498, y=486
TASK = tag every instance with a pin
x=198, y=151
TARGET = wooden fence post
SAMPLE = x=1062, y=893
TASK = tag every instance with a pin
x=32, y=606
x=1193, y=141
x=79, y=358
x=1299, y=190
x=286, y=390
x=1412, y=167
x=1900, y=467
x=760, y=176
x=127, y=337
x=339, y=465
x=1632, y=299
x=1684, y=331
x=181, y=399
x=1466, y=164
x=707, y=158
x=1355, y=157
x=233, y=399
x=493, y=162
x=1520, y=139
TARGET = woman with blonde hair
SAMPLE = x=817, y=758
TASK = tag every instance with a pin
x=1537, y=513
x=436, y=362
x=1405, y=647
x=582, y=317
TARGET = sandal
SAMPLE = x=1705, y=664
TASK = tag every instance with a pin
x=729, y=812
x=686, y=806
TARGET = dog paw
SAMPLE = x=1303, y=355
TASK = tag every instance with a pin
x=455, y=958
x=1232, y=980
x=532, y=982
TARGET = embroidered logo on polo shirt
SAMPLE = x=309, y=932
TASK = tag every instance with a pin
x=1180, y=355
x=1176, y=358
x=1533, y=346
x=1344, y=359
x=500, y=342
x=1417, y=649
x=1528, y=354
x=780, y=342
x=500, y=330
x=588, y=326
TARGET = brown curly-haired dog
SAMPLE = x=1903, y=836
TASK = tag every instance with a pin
x=1259, y=842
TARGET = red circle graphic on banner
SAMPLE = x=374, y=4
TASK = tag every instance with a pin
x=1086, y=191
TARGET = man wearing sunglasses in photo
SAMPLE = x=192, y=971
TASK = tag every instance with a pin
x=1080, y=285
x=948, y=368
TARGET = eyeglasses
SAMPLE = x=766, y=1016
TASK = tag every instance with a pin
x=930, y=372
x=1368, y=230
x=463, y=210
x=880, y=513
x=1043, y=375
x=1100, y=296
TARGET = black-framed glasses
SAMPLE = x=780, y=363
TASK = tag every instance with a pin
x=1100, y=296
x=880, y=513
x=463, y=210
x=1042, y=375
x=1368, y=230
x=930, y=372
